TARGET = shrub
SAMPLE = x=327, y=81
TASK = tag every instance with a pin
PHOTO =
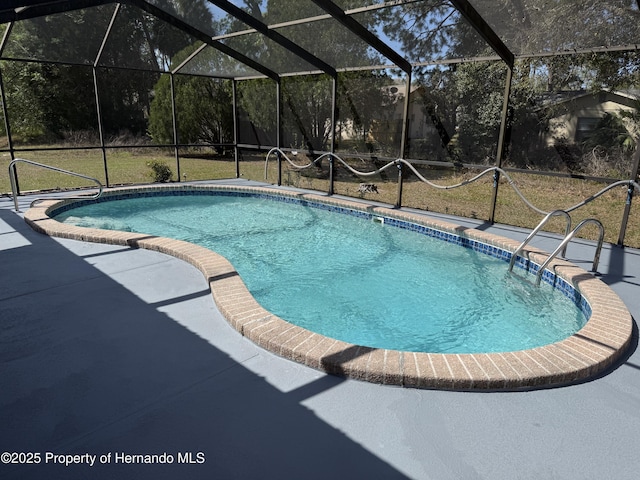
x=160, y=171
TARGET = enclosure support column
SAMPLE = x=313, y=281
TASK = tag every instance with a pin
x=334, y=116
x=279, y=130
x=234, y=99
x=100, y=128
x=505, y=129
x=404, y=138
x=7, y=127
x=5, y=111
x=174, y=119
x=627, y=207
x=96, y=62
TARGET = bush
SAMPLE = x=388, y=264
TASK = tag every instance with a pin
x=160, y=171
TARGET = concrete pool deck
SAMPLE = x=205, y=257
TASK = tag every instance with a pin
x=108, y=349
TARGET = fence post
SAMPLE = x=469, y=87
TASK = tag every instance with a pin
x=503, y=139
x=627, y=206
x=279, y=157
x=236, y=153
x=331, y=173
x=334, y=117
x=100, y=126
x=96, y=62
x=400, y=180
x=404, y=139
x=174, y=120
x=279, y=128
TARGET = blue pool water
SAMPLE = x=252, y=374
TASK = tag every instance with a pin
x=355, y=279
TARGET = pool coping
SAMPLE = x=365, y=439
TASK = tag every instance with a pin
x=596, y=347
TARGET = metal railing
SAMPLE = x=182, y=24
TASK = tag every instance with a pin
x=567, y=239
x=535, y=231
x=14, y=187
x=398, y=162
x=280, y=154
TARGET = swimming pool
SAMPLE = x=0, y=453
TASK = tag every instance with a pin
x=353, y=276
x=418, y=365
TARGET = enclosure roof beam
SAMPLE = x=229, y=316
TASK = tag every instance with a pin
x=106, y=35
x=16, y=10
x=25, y=9
x=18, y=4
x=482, y=27
x=271, y=34
x=203, y=37
x=363, y=33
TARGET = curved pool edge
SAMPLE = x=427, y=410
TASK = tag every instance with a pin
x=596, y=347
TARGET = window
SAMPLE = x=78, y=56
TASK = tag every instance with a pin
x=586, y=125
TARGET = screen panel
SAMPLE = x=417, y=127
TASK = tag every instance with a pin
x=50, y=103
x=269, y=53
x=139, y=40
x=426, y=31
x=576, y=114
x=541, y=26
x=371, y=109
x=126, y=104
x=455, y=113
x=206, y=163
x=204, y=111
x=272, y=12
x=70, y=37
x=199, y=14
x=333, y=43
x=257, y=112
x=306, y=112
x=551, y=193
x=213, y=62
x=140, y=165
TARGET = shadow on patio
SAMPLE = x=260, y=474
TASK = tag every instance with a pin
x=87, y=366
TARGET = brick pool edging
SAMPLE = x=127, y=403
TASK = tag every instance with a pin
x=603, y=339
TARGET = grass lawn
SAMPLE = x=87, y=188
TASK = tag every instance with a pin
x=472, y=201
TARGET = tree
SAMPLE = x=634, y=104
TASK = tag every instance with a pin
x=612, y=147
x=44, y=100
x=561, y=25
x=307, y=100
x=47, y=100
x=464, y=102
x=204, y=107
x=368, y=103
x=203, y=111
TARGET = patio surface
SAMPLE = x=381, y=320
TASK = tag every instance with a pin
x=112, y=351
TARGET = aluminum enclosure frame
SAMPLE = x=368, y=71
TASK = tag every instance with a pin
x=17, y=10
